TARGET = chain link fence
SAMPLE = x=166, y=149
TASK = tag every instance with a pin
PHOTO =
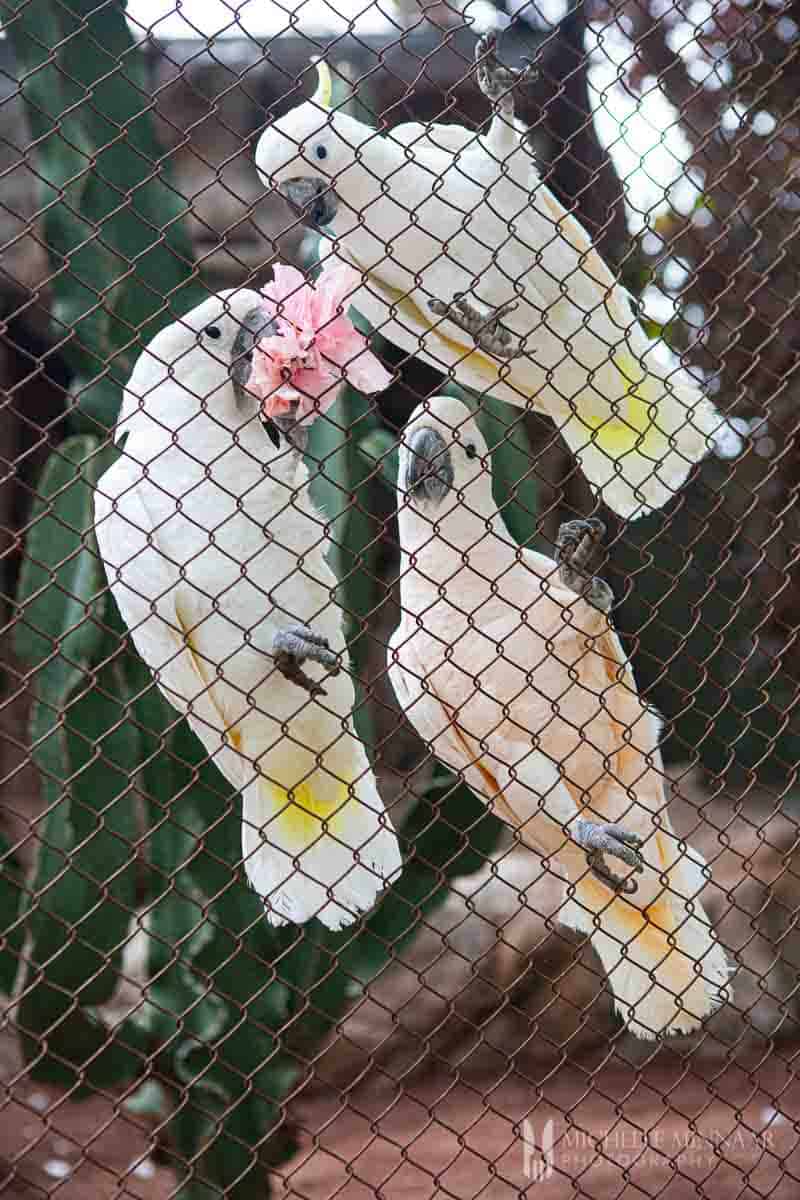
x=399, y=548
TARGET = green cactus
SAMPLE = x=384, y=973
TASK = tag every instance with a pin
x=114, y=225
x=139, y=830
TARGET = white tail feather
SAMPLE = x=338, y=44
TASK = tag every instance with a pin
x=660, y=985
x=334, y=876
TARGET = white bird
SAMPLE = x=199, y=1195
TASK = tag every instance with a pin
x=507, y=666
x=215, y=555
x=470, y=263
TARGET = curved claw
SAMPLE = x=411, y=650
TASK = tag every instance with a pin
x=290, y=669
x=575, y=546
x=607, y=877
x=494, y=80
x=503, y=311
x=483, y=327
x=292, y=647
x=302, y=643
x=599, y=839
x=487, y=44
x=599, y=594
x=577, y=539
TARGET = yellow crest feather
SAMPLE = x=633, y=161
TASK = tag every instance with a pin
x=324, y=93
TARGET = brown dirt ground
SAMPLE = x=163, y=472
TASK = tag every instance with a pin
x=628, y=1136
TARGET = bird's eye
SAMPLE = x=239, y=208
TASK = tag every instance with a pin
x=213, y=331
x=321, y=151
x=471, y=450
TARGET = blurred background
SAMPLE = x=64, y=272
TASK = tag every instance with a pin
x=673, y=131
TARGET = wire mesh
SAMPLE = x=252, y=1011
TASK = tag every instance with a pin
x=399, y=734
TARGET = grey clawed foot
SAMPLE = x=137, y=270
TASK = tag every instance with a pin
x=485, y=328
x=496, y=82
x=599, y=594
x=576, y=545
x=598, y=839
x=296, y=645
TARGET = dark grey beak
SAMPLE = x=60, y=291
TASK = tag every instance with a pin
x=296, y=435
x=311, y=198
x=429, y=473
x=256, y=324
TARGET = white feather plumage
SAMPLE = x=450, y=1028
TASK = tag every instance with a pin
x=522, y=686
x=200, y=524
x=429, y=211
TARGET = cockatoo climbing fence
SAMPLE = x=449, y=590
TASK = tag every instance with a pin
x=400, y=536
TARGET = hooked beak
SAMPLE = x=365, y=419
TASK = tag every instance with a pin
x=295, y=433
x=256, y=324
x=311, y=198
x=429, y=474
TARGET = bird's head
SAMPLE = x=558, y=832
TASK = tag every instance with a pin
x=444, y=463
x=309, y=156
x=205, y=357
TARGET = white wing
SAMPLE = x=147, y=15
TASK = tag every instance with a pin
x=147, y=587
x=451, y=138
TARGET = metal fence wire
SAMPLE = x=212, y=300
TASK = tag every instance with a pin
x=400, y=576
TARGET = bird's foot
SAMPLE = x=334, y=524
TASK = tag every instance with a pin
x=598, y=839
x=485, y=328
x=296, y=645
x=576, y=543
x=496, y=81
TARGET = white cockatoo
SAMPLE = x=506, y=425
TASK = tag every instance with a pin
x=215, y=555
x=469, y=262
x=506, y=664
